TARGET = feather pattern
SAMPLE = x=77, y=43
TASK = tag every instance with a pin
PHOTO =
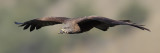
x=41, y=22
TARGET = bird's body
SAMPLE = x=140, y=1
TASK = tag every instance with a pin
x=77, y=25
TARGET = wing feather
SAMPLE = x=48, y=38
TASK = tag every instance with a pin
x=104, y=23
x=41, y=22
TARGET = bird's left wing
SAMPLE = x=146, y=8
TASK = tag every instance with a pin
x=41, y=22
x=104, y=23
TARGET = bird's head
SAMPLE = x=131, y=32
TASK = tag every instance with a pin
x=66, y=30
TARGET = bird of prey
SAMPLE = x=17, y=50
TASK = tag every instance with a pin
x=77, y=25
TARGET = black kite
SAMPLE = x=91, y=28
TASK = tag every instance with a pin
x=77, y=25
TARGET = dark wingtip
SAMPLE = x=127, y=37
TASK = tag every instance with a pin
x=140, y=27
x=144, y=28
x=32, y=28
x=148, y=30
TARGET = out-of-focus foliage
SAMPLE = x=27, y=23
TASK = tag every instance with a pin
x=134, y=12
x=83, y=9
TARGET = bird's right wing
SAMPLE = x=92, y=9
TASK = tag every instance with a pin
x=41, y=22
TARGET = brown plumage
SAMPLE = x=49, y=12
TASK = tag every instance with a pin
x=77, y=25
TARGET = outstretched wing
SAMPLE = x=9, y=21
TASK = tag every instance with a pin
x=104, y=23
x=41, y=22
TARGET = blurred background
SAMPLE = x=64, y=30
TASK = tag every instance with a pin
x=119, y=39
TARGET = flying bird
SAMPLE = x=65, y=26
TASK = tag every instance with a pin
x=77, y=25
